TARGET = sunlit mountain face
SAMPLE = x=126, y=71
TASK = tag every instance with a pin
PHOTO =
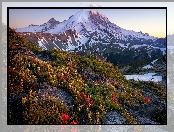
x=91, y=31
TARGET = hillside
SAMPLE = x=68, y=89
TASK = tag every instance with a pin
x=88, y=32
x=60, y=87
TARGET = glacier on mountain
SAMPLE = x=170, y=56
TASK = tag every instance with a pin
x=91, y=27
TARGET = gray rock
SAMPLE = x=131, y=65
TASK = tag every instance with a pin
x=145, y=120
x=113, y=117
x=55, y=92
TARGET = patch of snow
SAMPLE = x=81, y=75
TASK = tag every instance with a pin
x=154, y=61
x=55, y=45
x=137, y=46
x=144, y=78
x=163, y=50
x=122, y=45
x=42, y=45
x=30, y=29
x=151, y=74
x=148, y=67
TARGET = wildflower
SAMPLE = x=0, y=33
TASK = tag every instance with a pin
x=10, y=69
x=96, y=81
x=73, y=122
x=67, y=76
x=34, y=61
x=114, y=96
x=88, y=100
x=65, y=117
x=147, y=99
x=71, y=69
x=83, y=94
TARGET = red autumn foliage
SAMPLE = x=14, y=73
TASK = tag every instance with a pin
x=114, y=98
x=34, y=61
x=83, y=94
x=147, y=100
x=67, y=76
x=88, y=100
x=65, y=117
x=73, y=122
x=10, y=69
x=71, y=69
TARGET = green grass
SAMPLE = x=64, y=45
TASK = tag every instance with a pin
x=62, y=73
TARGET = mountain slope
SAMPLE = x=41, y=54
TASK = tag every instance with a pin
x=90, y=32
x=88, y=22
x=59, y=87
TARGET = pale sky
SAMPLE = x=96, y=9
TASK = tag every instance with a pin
x=152, y=21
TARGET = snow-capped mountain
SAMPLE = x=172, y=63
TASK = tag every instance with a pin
x=40, y=28
x=88, y=22
x=91, y=31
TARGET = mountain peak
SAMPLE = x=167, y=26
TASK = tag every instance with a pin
x=82, y=11
x=51, y=20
